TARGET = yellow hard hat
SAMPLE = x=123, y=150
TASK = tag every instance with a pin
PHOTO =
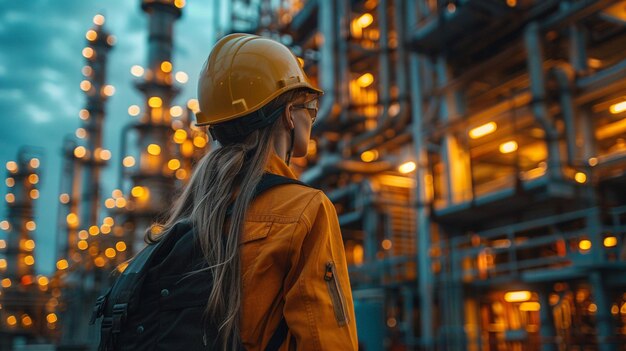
x=243, y=73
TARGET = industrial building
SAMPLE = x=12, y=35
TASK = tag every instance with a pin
x=475, y=151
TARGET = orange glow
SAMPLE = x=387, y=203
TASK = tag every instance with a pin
x=193, y=105
x=34, y=162
x=29, y=245
x=155, y=102
x=10, y=182
x=80, y=152
x=83, y=234
x=3, y=263
x=105, y=155
x=128, y=161
x=117, y=193
x=82, y=245
x=27, y=321
x=166, y=66
x=109, y=203
x=64, y=198
x=33, y=178
x=138, y=191
x=181, y=174
x=29, y=260
x=618, y=108
x=105, y=229
x=85, y=85
x=508, y=147
x=108, y=90
x=584, y=245
x=369, y=155
x=91, y=35
x=610, y=241
x=154, y=149
x=83, y=114
x=34, y=194
x=120, y=202
x=6, y=282
x=98, y=19
x=365, y=80
x=110, y=252
x=94, y=230
x=81, y=133
x=51, y=318
x=483, y=130
x=12, y=166
x=517, y=296
x=180, y=136
x=179, y=3
x=108, y=221
x=111, y=40
x=43, y=281
x=99, y=261
x=88, y=52
x=133, y=110
x=87, y=71
x=407, y=167
x=199, y=142
x=365, y=20
x=11, y=320
x=120, y=246
x=72, y=220
x=173, y=164
x=580, y=177
x=187, y=148
x=10, y=198
x=62, y=264
x=386, y=244
x=30, y=225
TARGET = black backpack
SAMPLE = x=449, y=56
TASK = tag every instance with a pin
x=154, y=305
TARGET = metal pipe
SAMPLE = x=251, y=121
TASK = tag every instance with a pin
x=564, y=77
x=538, y=90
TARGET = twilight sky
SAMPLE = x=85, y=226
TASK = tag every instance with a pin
x=40, y=72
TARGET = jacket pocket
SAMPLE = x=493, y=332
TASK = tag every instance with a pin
x=336, y=294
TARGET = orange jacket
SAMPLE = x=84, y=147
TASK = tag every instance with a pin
x=293, y=264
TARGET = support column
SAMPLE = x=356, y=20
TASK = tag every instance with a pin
x=547, y=331
x=604, y=321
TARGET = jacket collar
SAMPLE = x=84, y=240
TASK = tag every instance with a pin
x=276, y=165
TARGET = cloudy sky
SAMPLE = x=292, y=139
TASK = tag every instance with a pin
x=40, y=72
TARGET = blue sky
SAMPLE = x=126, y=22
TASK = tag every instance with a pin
x=40, y=72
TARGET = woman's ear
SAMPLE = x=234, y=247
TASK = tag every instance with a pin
x=288, y=117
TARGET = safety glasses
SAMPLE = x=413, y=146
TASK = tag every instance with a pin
x=311, y=106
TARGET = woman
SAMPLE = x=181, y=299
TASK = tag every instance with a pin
x=278, y=258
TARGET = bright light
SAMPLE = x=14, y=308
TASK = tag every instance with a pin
x=369, y=155
x=176, y=111
x=173, y=164
x=120, y=202
x=517, y=296
x=584, y=245
x=365, y=80
x=43, y=281
x=64, y=198
x=137, y=71
x=166, y=66
x=155, y=102
x=511, y=3
x=110, y=252
x=80, y=151
x=580, y=177
x=6, y=282
x=108, y=90
x=12, y=166
x=508, y=147
x=133, y=110
x=365, y=20
x=83, y=114
x=87, y=71
x=105, y=155
x=11, y=320
x=88, y=52
x=181, y=174
x=94, y=230
x=193, y=105
x=29, y=245
x=85, y=85
x=82, y=245
x=4, y=225
x=3, y=244
x=27, y=321
x=483, y=130
x=179, y=3
x=108, y=221
x=98, y=19
x=111, y=40
x=120, y=246
x=593, y=161
x=83, y=235
x=105, y=229
x=3, y=263
x=81, y=133
x=128, y=161
x=10, y=198
x=33, y=179
x=72, y=219
x=386, y=244
x=199, y=142
x=137, y=191
x=618, y=108
x=154, y=149
x=62, y=264
x=99, y=262
x=407, y=167
x=592, y=308
x=610, y=241
x=29, y=260
x=10, y=182
x=51, y=318
x=182, y=77
x=117, y=193
x=34, y=162
x=180, y=136
x=30, y=225
x=34, y=194
x=91, y=35
x=109, y=203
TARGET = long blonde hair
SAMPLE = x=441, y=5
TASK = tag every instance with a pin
x=227, y=175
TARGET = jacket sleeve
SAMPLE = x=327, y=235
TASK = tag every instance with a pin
x=318, y=300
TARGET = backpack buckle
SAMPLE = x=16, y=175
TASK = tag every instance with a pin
x=98, y=309
x=119, y=316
